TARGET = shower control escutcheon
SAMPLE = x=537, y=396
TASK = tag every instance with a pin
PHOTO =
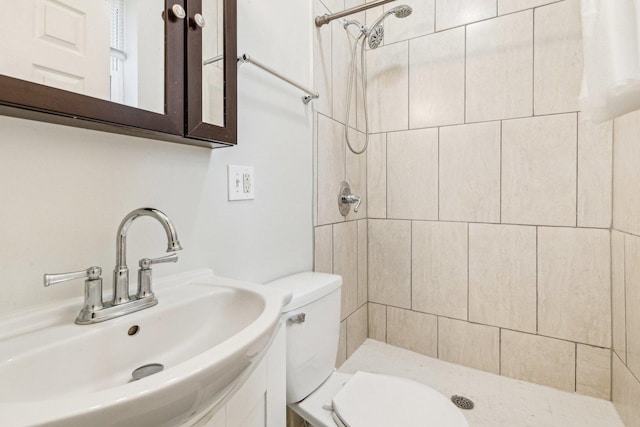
x=346, y=199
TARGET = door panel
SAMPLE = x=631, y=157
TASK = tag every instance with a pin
x=49, y=44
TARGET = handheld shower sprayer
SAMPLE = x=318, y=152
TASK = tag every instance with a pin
x=373, y=36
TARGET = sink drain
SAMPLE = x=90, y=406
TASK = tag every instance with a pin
x=146, y=370
x=462, y=402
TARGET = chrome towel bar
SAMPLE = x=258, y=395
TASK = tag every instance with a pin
x=311, y=94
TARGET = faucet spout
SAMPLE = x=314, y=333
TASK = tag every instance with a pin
x=121, y=272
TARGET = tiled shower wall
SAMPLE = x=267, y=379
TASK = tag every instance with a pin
x=488, y=199
x=625, y=256
x=340, y=243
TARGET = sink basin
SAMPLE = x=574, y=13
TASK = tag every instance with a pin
x=207, y=332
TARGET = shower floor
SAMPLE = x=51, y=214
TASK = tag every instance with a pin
x=499, y=401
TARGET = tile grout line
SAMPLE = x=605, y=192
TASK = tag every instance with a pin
x=499, y=351
x=575, y=367
x=411, y=264
x=533, y=63
x=501, y=168
x=578, y=165
x=474, y=122
x=624, y=280
x=439, y=169
x=468, y=269
x=465, y=74
x=537, y=280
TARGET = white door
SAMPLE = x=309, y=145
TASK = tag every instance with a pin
x=59, y=43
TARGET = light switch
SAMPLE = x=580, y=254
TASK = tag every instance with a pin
x=241, y=183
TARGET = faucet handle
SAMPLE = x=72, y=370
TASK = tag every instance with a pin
x=144, y=275
x=146, y=263
x=91, y=273
x=92, y=291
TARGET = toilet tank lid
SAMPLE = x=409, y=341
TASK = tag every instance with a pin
x=307, y=287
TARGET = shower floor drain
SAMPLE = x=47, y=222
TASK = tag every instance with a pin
x=462, y=402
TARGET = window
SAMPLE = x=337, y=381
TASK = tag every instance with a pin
x=118, y=55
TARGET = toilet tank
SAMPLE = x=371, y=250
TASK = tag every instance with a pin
x=312, y=321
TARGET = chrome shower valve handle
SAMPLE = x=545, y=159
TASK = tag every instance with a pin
x=346, y=199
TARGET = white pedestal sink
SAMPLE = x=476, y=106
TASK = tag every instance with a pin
x=207, y=331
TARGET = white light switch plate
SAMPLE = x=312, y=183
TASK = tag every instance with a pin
x=241, y=183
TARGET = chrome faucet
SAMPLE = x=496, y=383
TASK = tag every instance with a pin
x=121, y=272
x=94, y=310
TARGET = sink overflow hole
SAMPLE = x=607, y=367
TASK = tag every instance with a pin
x=133, y=330
x=146, y=370
x=462, y=402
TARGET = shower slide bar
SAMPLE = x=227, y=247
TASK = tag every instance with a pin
x=326, y=18
x=312, y=94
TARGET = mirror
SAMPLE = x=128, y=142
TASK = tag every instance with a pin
x=213, y=62
x=107, y=49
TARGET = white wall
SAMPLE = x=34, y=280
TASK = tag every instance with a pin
x=64, y=191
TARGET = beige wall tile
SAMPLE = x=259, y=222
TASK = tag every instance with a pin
x=388, y=87
x=452, y=13
x=357, y=329
x=377, y=322
x=363, y=294
x=509, y=6
x=500, y=68
x=469, y=344
x=345, y=263
x=419, y=23
x=331, y=169
x=436, y=79
x=377, y=176
x=470, y=172
x=626, y=173
x=539, y=170
x=558, y=58
x=412, y=174
x=632, y=293
x=593, y=371
x=538, y=359
x=574, y=284
x=356, y=174
x=625, y=394
x=342, y=344
x=439, y=274
x=323, y=249
x=333, y=5
x=595, y=152
x=502, y=276
x=322, y=62
x=390, y=262
x=618, y=318
x=414, y=331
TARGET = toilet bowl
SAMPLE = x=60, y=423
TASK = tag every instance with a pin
x=326, y=398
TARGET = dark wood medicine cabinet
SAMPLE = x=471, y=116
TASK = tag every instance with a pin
x=46, y=94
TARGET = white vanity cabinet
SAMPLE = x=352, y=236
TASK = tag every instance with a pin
x=261, y=400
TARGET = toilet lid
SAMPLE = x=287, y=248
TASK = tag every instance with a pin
x=372, y=400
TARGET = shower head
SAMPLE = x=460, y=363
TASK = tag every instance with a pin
x=376, y=33
x=401, y=11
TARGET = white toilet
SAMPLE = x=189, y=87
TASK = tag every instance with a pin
x=325, y=398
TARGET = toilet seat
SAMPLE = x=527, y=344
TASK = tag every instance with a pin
x=373, y=400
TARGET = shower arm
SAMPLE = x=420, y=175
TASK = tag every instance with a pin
x=326, y=18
